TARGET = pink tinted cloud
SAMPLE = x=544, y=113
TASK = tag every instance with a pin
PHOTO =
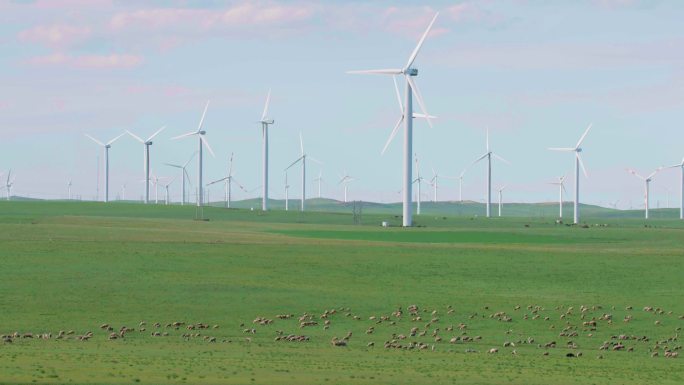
x=56, y=35
x=111, y=61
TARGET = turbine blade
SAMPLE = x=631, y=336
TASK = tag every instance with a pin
x=156, y=133
x=479, y=159
x=561, y=149
x=183, y=136
x=396, y=91
x=392, y=135
x=173, y=165
x=293, y=163
x=216, y=181
x=136, y=137
x=487, y=136
x=189, y=160
x=95, y=140
x=579, y=143
x=419, y=98
x=377, y=72
x=199, y=127
x=206, y=143
x=268, y=101
x=413, y=56
x=301, y=142
x=584, y=170
x=315, y=160
x=636, y=174
x=115, y=139
x=501, y=159
x=230, y=167
x=423, y=116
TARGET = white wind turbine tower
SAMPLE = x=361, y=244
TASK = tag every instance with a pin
x=184, y=174
x=123, y=192
x=166, y=191
x=9, y=184
x=500, y=190
x=69, y=189
x=647, y=186
x=419, y=181
x=434, y=182
x=303, y=160
x=228, y=181
x=407, y=111
x=345, y=180
x=106, y=147
x=460, y=185
x=578, y=163
x=561, y=188
x=319, y=180
x=201, y=142
x=681, y=207
x=488, y=155
x=265, y=122
x=146, y=158
x=155, y=182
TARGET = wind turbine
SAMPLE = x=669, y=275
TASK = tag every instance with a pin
x=69, y=189
x=578, y=163
x=303, y=160
x=123, y=192
x=460, y=185
x=500, y=190
x=647, y=184
x=488, y=155
x=434, y=182
x=561, y=188
x=419, y=181
x=166, y=191
x=106, y=147
x=202, y=141
x=346, y=179
x=228, y=181
x=681, y=208
x=319, y=179
x=146, y=159
x=408, y=71
x=184, y=173
x=265, y=122
x=155, y=182
x=287, y=199
x=9, y=184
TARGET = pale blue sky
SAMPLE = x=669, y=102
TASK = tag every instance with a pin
x=536, y=72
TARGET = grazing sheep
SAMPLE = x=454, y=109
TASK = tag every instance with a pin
x=493, y=350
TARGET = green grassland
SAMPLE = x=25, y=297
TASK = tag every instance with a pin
x=76, y=265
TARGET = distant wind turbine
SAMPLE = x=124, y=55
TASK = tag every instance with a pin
x=561, y=188
x=419, y=181
x=647, y=184
x=681, y=202
x=228, y=181
x=184, y=174
x=166, y=191
x=319, y=180
x=345, y=180
x=501, y=198
x=106, y=147
x=578, y=163
x=201, y=143
x=488, y=155
x=287, y=188
x=302, y=159
x=69, y=189
x=408, y=71
x=9, y=183
x=434, y=182
x=146, y=159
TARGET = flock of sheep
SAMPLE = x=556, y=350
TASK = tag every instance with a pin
x=413, y=328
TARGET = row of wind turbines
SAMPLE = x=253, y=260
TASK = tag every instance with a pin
x=407, y=115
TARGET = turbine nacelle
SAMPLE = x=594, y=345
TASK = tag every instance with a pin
x=410, y=71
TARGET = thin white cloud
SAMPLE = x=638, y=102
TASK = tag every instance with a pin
x=111, y=61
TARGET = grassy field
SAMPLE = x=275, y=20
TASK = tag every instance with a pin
x=74, y=266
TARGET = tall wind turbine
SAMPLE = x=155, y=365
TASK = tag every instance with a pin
x=184, y=173
x=146, y=159
x=681, y=202
x=408, y=71
x=578, y=163
x=201, y=143
x=434, y=182
x=265, y=122
x=647, y=186
x=500, y=190
x=488, y=155
x=228, y=181
x=345, y=180
x=106, y=147
x=561, y=188
x=460, y=185
x=302, y=158
x=69, y=189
